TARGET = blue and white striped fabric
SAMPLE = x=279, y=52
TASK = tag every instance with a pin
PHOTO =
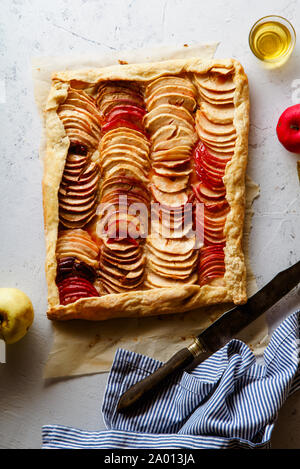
x=229, y=401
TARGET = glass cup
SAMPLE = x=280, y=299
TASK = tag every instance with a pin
x=272, y=39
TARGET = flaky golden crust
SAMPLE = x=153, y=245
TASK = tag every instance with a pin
x=161, y=300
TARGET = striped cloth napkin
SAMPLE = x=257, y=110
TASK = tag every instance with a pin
x=228, y=401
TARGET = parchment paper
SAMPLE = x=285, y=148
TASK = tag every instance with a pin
x=82, y=347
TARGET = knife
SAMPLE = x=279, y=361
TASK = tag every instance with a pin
x=216, y=335
x=2, y=351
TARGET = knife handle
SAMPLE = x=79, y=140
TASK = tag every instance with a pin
x=177, y=362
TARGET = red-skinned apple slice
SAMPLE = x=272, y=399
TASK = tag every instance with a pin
x=118, y=122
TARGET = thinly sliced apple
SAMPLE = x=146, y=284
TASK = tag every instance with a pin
x=180, y=112
x=157, y=281
x=166, y=257
x=169, y=185
x=215, y=82
x=215, y=129
x=170, y=246
x=170, y=81
x=171, y=171
x=211, y=193
x=174, y=98
x=223, y=97
x=219, y=114
x=153, y=123
x=169, y=90
x=127, y=169
x=171, y=200
x=215, y=140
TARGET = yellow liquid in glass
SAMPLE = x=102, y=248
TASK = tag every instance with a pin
x=270, y=40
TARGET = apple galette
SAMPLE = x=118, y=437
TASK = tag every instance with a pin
x=144, y=188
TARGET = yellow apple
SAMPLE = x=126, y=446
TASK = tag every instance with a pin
x=16, y=314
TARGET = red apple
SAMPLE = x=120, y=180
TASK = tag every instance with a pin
x=288, y=129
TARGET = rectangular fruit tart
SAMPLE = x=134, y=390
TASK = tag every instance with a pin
x=144, y=188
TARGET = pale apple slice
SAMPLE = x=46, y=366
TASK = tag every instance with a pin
x=171, y=246
x=124, y=188
x=110, y=280
x=166, y=257
x=124, y=155
x=210, y=138
x=170, y=200
x=173, y=223
x=158, y=281
x=222, y=70
x=166, y=232
x=175, y=164
x=80, y=101
x=225, y=102
x=132, y=265
x=112, y=162
x=117, y=93
x=169, y=86
x=125, y=147
x=117, y=273
x=122, y=198
x=215, y=129
x=126, y=151
x=172, y=219
x=169, y=185
x=179, y=112
x=80, y=187
x=123, y=132
x=118, y=259
x=118, y=96
x=169, y=81
x=71, y=215
x=70, y=114
x=221, y=151
x=85, y=207
x=76, y=202
x=216, y=98
x=109, y=288
x=126, y=140
x=121, y=246
x=172, y=133
x=75, y=251
x=73, y=158
x=173, y=153
x=77, y=243
x=117, y=277
x=215, y=82
x=153, y=123
x=165, y=145
x=174, y=261
x=182, y=88
x=218, y=114
x=175, y=98
x=171, y=172
x=74, y=103
x=114, y=86
x=169, y=272
x=81, y=137
x=221, y=144
x=125, y=169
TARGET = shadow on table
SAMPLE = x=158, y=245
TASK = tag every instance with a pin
x=286, y=434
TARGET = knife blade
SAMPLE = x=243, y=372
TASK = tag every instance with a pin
x=216, y=335
x=2, y=351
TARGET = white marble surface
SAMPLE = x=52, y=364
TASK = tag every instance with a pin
x=38, y=27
